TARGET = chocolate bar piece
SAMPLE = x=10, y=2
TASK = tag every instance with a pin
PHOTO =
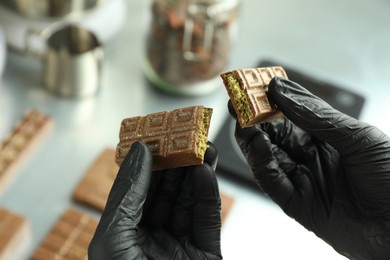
x=21, y=142
x=13, y=231
x=176, y=138
x=226, y=205
x=247, y=89
x=69, y=238
x=96, y=184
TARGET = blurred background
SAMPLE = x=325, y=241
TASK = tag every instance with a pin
x=89, y=64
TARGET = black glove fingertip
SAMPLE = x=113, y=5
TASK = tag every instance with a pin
x=277, y=89
x=211, y=155
x=296, y=102
x=232, y=112
x=139, y=157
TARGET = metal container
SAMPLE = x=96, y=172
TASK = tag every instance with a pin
x=72, y=59
x=189, y=44
x=73, y=62
x=50, y=8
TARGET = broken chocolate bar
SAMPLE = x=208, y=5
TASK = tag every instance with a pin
x=69, y=238
x=176, y=138
x=247, y=89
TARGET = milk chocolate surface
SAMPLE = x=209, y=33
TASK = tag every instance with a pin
x=227, y=203
x=176, y=138
x=13, y=230
x=247, y=89
x=96, y=184
x=69, y=238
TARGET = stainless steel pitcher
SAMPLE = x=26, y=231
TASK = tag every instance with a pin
x=72, y=60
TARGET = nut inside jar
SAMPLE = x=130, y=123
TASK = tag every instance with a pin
x=189, y=42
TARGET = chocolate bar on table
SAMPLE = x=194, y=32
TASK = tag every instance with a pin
x=96, y=184
x=69, y=238
x=21, y=142
x=176, y=138
x=13, y=231
x=247, y=89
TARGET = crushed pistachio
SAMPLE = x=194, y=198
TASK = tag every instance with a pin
x=202, y=138
x=241, y=100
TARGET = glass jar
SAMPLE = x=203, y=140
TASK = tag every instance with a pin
x=189, y=44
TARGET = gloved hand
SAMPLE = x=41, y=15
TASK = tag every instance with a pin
x=325, y=169
x=170, y=214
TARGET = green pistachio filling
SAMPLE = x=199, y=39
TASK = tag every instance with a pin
x=244, y=112
x=205, y=124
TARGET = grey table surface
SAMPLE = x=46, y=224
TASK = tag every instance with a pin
x=346, y=42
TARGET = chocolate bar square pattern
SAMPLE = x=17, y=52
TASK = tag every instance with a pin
x=21, y=142
x=13, y=230
x=96, y=184
x=176, y=138
x=69, y=238
x=247, y=89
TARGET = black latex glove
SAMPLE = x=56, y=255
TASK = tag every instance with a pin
x=171, y=214
x=325, y=169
